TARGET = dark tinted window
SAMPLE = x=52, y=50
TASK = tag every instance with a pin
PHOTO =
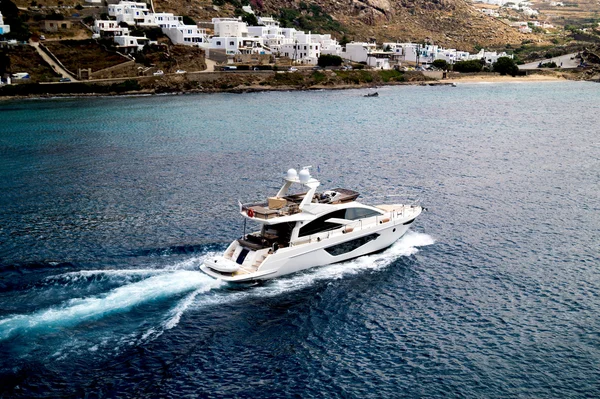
x=359, y=213
x=349, y=246
x=319, y=225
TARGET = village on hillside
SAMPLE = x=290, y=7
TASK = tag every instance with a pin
x=126, y=33
x=230, y=41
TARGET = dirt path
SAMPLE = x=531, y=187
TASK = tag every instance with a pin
x=210, y=66
x=51, y=62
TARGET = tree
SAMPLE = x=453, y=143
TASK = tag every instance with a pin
x=344, y=40
x=326, y=60
x=440, y=64
x=188, y=21
x=249, y=19
x=505, y=66
x=468, y=66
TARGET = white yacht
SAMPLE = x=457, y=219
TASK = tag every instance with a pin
x=300, y=231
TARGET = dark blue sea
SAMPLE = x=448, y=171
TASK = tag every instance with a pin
x=109, y=205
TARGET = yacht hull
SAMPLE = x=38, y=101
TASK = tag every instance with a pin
x=318, y=253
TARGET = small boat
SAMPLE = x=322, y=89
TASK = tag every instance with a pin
x=372, y=95
x=300, y=231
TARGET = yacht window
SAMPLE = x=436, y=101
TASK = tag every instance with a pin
x=360, y=213
x=350, y=246
x=281, y=232
x=319, y=225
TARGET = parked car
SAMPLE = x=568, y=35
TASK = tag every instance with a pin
x=293, y=69
x=347, y=68
x=64, y=80
x=180, y=71
x=229, y=68
x=158, y=73
x=42, y=37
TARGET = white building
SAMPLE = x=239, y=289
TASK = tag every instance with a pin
x=329, y=45
x=230, y=27
x=109, y=28
x=188, y=35
x=4, y=29
x=129, y=12
x=237, y=45
x=304, y=49
x=489, y=12
x=489, y=57
x=131, y=44
x=368, y=53
x=268, y=21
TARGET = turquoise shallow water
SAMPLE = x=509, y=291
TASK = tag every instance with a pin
x=109, y=205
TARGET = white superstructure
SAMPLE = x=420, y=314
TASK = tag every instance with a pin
x=309, y=229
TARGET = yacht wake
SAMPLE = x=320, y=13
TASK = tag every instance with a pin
x=121, y=299
x=408, y=245
x=182, y=281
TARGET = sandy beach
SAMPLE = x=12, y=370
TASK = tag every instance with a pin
x=495, y=78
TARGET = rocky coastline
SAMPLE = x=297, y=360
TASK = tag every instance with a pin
x=219, y=82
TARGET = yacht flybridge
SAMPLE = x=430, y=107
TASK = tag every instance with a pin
x=309, y=229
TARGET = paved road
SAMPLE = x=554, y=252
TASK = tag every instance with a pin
x=51, y=62
x=564, y=61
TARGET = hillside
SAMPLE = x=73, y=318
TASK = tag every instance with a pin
x=451, y=23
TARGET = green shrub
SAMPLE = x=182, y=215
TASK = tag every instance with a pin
x=326, y=60
x=468, y=66
x=505, y=66
x=318, y=77
x=188, y=20
x=391, y=75
x=441, y=64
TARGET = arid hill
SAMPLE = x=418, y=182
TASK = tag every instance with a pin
x=451, y=23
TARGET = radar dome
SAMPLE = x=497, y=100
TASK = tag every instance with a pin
x=292, y=174
x=304, y=176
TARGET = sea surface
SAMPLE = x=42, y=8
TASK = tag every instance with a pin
x=109, y=205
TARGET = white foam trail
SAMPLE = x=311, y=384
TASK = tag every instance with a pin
x=119, y=299
x=192, y=263
x=408, y=245
x=122, y=275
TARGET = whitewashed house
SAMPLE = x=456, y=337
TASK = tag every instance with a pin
x=187, y=35
x=129, y=12
x=130, y=44
x=368, y=53
x=305, y=49
x=230, y=27
x=268, y=21
x=109, y=28
x=231, y=35
x=358, y=51
x=180, y=33
x=329, y=45
x=4, y=29
x=489, y=57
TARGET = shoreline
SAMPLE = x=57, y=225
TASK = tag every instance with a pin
x=257, y=88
